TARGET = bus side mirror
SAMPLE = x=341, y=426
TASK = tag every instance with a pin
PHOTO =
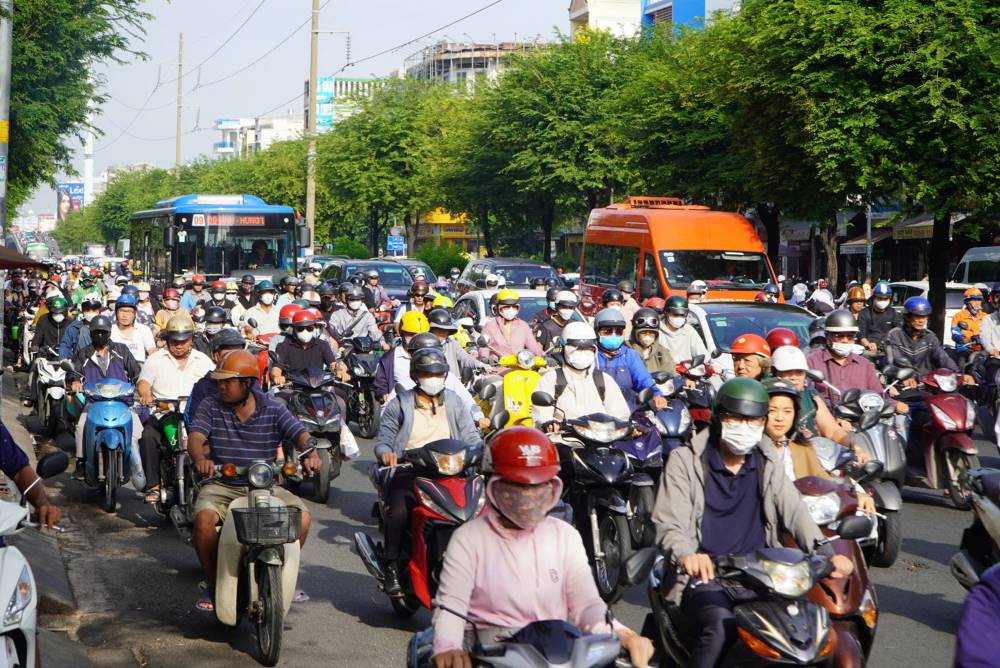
x=169, y=236
x=645, y=287
x=305, y=239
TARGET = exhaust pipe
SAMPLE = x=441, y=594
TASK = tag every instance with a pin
x=963, y=570
x=368, y=553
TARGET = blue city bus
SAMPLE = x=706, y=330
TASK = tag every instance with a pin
x=218, y=236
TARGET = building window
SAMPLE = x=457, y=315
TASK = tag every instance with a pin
x=665, y=15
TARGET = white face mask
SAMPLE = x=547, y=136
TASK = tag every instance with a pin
x=842, y=349
x=431, y=386
x=741, y=438
x=880, y=304
x=581, y=359
x=508, y=313
x=219, y=296
x=677, y=321
x=304, y=335
x=58, y=317
x=89, y=315
x=143, y=296
x=267, y=298
x=214, y=328
x=354, y=305
x=566, y=314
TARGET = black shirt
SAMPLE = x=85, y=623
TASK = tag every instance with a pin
x=733, y=522
x=874, y=326
x=292, y=356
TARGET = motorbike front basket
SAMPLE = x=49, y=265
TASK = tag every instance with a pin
x=267, y=526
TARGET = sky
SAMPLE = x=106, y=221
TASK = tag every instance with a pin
x=139, y=119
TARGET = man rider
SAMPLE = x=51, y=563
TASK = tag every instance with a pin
x=676, y=334
x=565, y=304
x=506, y=334
x=418, y=301
x=972, y=315
x=196, y=294
x=855, y=301
x=220, y=299
x=215, y=320
x=327, y=300
x=875, y=321
x=304, y=350
x=77, y=334
x=355, y=320
x=645, y=335
x=629, y=304
x=443, y=327
x=138, y=338
x=51, y=329
x=839, y=361
x=290, y=285
x=413, y=418
x=411, y=324
x=621, y=362
x=727, y=493
x=247, y=297
x=264, y=311
x=171, y=308
x=374, y=293
x=224, y=342
x=15, y=465
x=242, y=425
x=913, y=346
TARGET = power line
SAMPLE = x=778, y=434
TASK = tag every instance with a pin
x=156, y=139
x=134, y=119
x=141, y=109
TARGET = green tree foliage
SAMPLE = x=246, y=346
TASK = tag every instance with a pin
x=441, y=256
x=350, y=247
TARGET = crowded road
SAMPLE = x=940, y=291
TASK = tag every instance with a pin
x=136, y=583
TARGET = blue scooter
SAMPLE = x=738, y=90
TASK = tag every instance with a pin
x=107, y=440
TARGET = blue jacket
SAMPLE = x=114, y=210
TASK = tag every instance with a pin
x=979, y=623
x=75, y=339
x=628, y=370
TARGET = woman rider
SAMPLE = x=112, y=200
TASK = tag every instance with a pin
x=751, y=357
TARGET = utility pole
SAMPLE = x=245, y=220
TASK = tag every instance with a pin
x=311, y=128
x=180, y=94
x=6, y=42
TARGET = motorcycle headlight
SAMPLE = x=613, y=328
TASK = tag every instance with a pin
x=601, y=431
x=946, y=383
x=970, y=414
x=449, y=464
x=658, y=423
x=358, y=370
x=943, y=418
x=260, y=476
x=790, y=580
x=824, y=509
x=526, y=359
x=108, y=390
x=20, y=599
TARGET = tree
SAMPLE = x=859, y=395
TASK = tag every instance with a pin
x=350, y=247
x=441, y=256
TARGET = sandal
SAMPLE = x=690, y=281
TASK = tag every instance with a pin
x=205, y=602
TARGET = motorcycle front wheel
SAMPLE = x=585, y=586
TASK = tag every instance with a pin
x=959, y=464
x=368, y=415
x=641, y=526
x=616, y=544
x=890, y=538
x=321, y=479
x=112, y=468
x=270, y=612
x=53, y=420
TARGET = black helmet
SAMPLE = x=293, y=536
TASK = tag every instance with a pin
x=612, y=295
x=327, y=290
x=741, y=396
x=676, y=305
x=422, y=340
x=626, y=285
x=227, y=338
x=248, y=279
x=841, y=320
x=553, y=282
x=551, y=295
x=428, y=360
x=100, y=323
x=537, y=282
x=439, y=318
x=817, y=330
x=418, y=288
x=645, y=318
x=215, y=315
x=344, y=287
x=354, y=292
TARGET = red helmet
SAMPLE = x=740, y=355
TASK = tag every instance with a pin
x=303, y=317
x=656, y=303
x=317, y=314
x=219, y=285
x=171, y=293
x=198, y=279
x=759, y=297
x=524, y=455
x=286, y=313
x=750, y=344
x=782, y=336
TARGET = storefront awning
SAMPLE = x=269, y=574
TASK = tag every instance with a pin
x=921, y=227
x=857, y=246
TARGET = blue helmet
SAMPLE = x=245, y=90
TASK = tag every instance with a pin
x=917, y=306
x=882, y=289
x=265, y=285
x=126, y=300
x=131, y=290
x=770, y=289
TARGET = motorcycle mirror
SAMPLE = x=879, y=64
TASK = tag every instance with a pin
x=542, y=399
x=636, y=569
x=854, y=527
x=905, y=374
x=498, y=421
x=851, y=396
x=660, y=377
x=869, y=419
x=697, y=361
x=871, y=470
x=644, y=396
x=483, y=341
x=252, y=322
x=488, y=392
x=816, y=375
x=466, y=323
x=52, y=464
x=717, y=353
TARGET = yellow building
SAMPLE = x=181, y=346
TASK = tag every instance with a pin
x=440, y=225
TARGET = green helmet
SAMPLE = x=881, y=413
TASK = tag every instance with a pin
x=57, y=305
x=741, y=396
x=676, y=305
x=265, y=286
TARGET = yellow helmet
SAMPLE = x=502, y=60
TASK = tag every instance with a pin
x=414, y=322
x=507, y=296
x=443, y=301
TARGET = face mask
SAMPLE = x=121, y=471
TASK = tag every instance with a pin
x=99, y=339
x=552, y=306
x=972, y=308
x=267, y=298
x=214, y=328
x=880, y=304
x=581, y=359
x=219, y=296
x=646, y=339
x=354, y=305
x=143, y=296
x=612, y=341
x=89, y=315
x=431, y=386
x=524, y=506
x=305, y=335
x=566, y=314
x=508, y=313
x=58, y=317
x=741, y=438
x=676, y=321
x=841, y=349
x=171, y=304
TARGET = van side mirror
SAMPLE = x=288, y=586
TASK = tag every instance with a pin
x=645, y=287
x=542, y=399
x=169, y=236
x=304, y=238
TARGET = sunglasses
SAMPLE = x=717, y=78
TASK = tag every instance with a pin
x=307, y=328
x=611, y=330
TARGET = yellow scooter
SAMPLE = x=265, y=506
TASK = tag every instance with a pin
x=516, y=388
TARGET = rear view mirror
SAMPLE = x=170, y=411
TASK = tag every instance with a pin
x=483, y=341
x=542, y=399
x=697, y=361
x=644, y=396
x=869, y=420
x=816, y=375
x=466, y=323
x=169, y=236
x=854, y=527
x=488, y=392
x=872, y=469
x=252, y=322
x=499, y=421
x=660, y=377
x=905, y=374
x=304, y=238
x=52, y=464
x=636, y=569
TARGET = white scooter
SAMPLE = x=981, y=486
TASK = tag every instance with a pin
x=50, y=389
x=18, y=592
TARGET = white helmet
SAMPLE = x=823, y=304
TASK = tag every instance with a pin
x=566, y=297
x=580, y=345
x=501, y=282
x=492, y=278
x=789, y=358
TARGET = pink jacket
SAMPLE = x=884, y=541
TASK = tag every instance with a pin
x=503, y=578
x=520, y=338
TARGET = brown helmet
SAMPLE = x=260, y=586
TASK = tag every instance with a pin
x=237, y=364
x=179, y=328
x=856, y=294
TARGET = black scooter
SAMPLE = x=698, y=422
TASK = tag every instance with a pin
x=361, y=358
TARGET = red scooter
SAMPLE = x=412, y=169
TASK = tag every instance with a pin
x=449, y=492
x=940, y=452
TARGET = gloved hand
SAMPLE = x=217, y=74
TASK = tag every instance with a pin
x=958, y=335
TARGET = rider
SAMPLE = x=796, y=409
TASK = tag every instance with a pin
x=411, y=324
x=696, y=292
x=375, y=294
x=144, y=311
x=914, y=346
x=242, y=425
x=645, y=328
x=413, y=418
x=676, y=334
x=629, y=304
x=304, y=350
x=196, y=294
x=215, y=320
x=171, y=308
x=327, y=300
x=264, y=311
x=562, y=313
x=224, y=342
x=418, y=301
x=51, y=329
x=813, y=417
x=875, y=321
x=220, y=299
x=621, y=362
x=727, y=494
x=247, y=296
x=514, y=541
x=443, y=327
x=138, y=338
x=844, y=368
x=855, y=301
x=781, y=336
x=771, y=293
x=355, y=320
x=290, y=287
x=751, y=357
x=506, y=334
x=77, y=333
x=972, y=315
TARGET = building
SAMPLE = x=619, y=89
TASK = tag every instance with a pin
x=440, y=225
x=682, y=12
x=622, y=17
x=246, y=136
x=336, y=98
x=462, y=62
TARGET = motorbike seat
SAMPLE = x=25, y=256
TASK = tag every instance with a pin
x=991, y=486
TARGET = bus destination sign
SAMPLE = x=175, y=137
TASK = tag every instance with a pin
x=215, y=219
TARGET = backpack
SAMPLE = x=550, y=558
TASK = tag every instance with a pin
x=561, y=382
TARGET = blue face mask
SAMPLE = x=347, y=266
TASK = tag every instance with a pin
x=612, y=341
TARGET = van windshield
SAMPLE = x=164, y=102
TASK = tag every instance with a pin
x=982, y=271
x=727, y=270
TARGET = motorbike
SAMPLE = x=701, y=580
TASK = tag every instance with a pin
x=258, y=556
x=450, y=492
x=50, y=390
x=19, y=625
x=987, y=371
x=362, y=406
x=515, y=387
x=980, y=546
x=107, y=441
x=700, y=397
x=312, y=401
x=384, y=321
x=177, y=476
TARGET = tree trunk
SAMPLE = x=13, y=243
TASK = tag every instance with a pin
x=828, y=240
x=938, y=271
x=484, y=227
x=407, y=219
x=548, y=219
x=416, y=233
x=769, y=216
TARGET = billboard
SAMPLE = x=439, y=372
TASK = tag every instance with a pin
x=69, y=197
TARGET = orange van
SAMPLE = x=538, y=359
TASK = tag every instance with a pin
x=671, y=244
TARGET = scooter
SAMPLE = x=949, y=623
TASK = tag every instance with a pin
x=258, y=556
x=177, y=475
x=107, y=441
x=980, y=546
x=450, y=492
x=699, y=398
x=515, y=387
x=50, y=390
x=362, y=406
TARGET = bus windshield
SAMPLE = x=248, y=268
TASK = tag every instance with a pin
x=229, y=251
x=729, y=270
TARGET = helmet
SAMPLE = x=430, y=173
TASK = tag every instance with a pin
x=218, y=285
x=609, y=317
x=579, y=334
x=286, y=313
x=171, y=293
x=290, y=280
x=789, y=358
x=856, y=294
x=100, y=323
x=750, y=344
x=442, y=301
x=143, y=287
x=917, y=306
x=303, y=318
x=841, y=320
x=265, y=286
x=566, y=299
x=676, y=305
x=971, y=294
x=524, y=455
x=179, y=328
x=354, y=293
x=537, y=282
x=995, y=290
x=302, y=303
x=215, y=315
x=645, y=318
x=237, y=364
x=413, y=323
x=655, y=303
x=327, y=289
x=344, y=287
x=57, y=305
x=780, y=386
x=741, y=396
x=428, y=360
x=422, y=340
x=551, y=295
x=121, y=280
x=697, y=288
x=179, y=282
x=197, y=279
x=817, y=329
x=882, y=289
x=248, y=279
x=492, y=280
x=357, y=279
x=419, y=288
x=371, y=273
x=126, y=301
x=131, y=290
x=611, y=295
x=454, y=271
x=782, y=336
x=227, y=338
x=552, y=282
x=441, y=319
x=508, y=298
x=771, y=289
x=626, y=285
x=91, y=299
x=311, y=296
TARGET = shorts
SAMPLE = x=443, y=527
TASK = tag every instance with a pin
x=216, y=497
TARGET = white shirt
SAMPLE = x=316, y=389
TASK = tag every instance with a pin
x=168, y=379
x=267, y=322
x=138, y=343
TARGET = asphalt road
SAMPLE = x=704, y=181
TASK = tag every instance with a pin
x=136, y=583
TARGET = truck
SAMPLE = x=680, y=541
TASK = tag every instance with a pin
x=94, y=250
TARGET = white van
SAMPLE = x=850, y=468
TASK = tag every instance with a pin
x=979, y=265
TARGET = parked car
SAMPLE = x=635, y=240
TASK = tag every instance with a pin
x=903, y=290
x=412, y=266
x=393, y=276
x=518, y=272
x=476, y=305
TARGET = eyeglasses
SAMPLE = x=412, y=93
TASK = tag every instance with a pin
x=307, y=328
x=730, y=418
x=611, y=330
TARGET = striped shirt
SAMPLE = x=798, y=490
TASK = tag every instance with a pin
x=242, y=443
